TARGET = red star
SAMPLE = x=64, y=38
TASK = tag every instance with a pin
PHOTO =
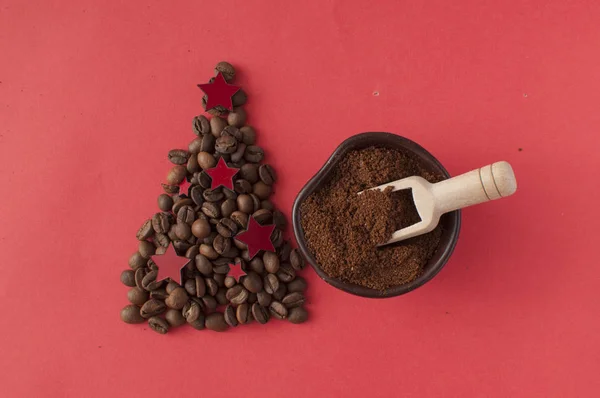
x=170, y=265
x=219, y=93
x=257, y=237
x=222, y=175
x=184, y=187
x=236, y=271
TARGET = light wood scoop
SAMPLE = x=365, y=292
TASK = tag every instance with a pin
x=494, y=181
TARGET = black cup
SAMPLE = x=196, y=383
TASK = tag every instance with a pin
x=449, y=221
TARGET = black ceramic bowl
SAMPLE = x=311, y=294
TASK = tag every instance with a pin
x=449, y=221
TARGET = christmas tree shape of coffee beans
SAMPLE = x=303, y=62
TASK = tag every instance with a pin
x=202, y=223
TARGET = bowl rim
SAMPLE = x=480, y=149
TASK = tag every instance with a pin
x=353, y=142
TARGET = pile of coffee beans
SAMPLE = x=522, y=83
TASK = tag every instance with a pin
x=202, y=225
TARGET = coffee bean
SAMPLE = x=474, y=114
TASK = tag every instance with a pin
x=261, y=190
x=226, y=69
x=211, y=209
x=254, y=154
x=159, y=325
x=183, y=231
x=243, y=313
x=217, y=125
x=286, y=273
x=239, y=98
x=228, y=207
x=245, y=254
x=257, y=265
x=253, y=282
x=216, y=322
x=230, y=282
x=137, y=296
x=182, y=203
x=186, y=214
x=161, y=222
x=181, y=246
x=229, y=194
x=211, y=286
x=170, y=189
x=230, y=316
x=192, y=165
x=203, y=265
x=221, y=295
x=159, y=294
x=255, y=202
x=296, y=260
x=137, y=260
x=174, y=317
x=152, y=307
x=271, y=262
x=196, y=195
x=200, y=125
x=237, y=295
x=240, y=218
x=213, y=195
x=267, y=174
x=221, y=244
x=221, y=268
x=171, y=286
x=297, y=285
x=248, y=134
x=178, y=156
x=209, y=303
x=198, y=324
x=165, y=203
x=232, y=131
x=177, y=298
x=278, y=310
x=249, y=172
x=284, y=251
x=271, y=283
x=206, y=160
x=192, y=252
x=211, y=237
x=292, y=300
x=190, y=287
x=237, y=117
x=280, y=293
x=263, y=298
x=201, y=228
x=171, y=234
x=238, y=155
x=139, y=275
x=277, y=238
x=260, y=313
x=204, y=180
x=162, y=240
x=263, y=217
x=242, y=187
x=279, y=220
x=191, y=311
x=176, y=175
x=131, y=314
x=297, y=315
x=226, y=144
x=146, y=249
x=227, y=228
x=245, y=204
x=128, y=277
x=267, y=205
x=195, y=145
x=146, y=231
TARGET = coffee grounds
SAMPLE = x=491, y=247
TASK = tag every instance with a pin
x=342, y=228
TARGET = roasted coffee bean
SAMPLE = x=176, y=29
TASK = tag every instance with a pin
x=176, y=175
x=165, y=203
x=248, y=134
x=211, y=286
x=279, y=220
x=200, y=125
x=260, y=313
x=206, y=160
x=207, y=144
x=171, y=286
x=253, y=282
x=152, y=307
x=159, y=294
x=296, y=260
x=172, y=233
x=226, y=144
x=225, y=69
x=232, y=131
x=137, y=260
x=262, y=190
x=257, y=265
x=263, y=217
x=160, y=250
x=203, y=265
x=131, y=314
x=267, y=205
x=230, y=316
x=240, y=218
x=243, y=313
x=297, y=315
x=198, y=324
x=255, y=202
x=181, y=203
x=212, y=195
x=263, y=298
x=221, y=244
x=190, y=287
x=254, y=154
x=267, y=174
x=137, y=296
x=174, y=317
x=170, y=189
x=161, y=222
x=196, y=195
x=217, y=125
x=271, y=262
x=278, y=310
x=146, y=231
x=191, y=311
x=229, y=194
x=220, y=279
x=204, y=180
x=271, y=283
x=192, y=165
x=280, y=293
x=277, y=238
x=228, y=207
x=183, y=231
x=209, y=303
x=195, y=145
x=229, y=281
x=211, y=237
x=245, y=254
x=227, y=228
x=252, y=298
x=237, y=294
x=292, y=300
x=181, y=246
x=239, y=98
x=242, y=186
x=186, y=214
x=221, y=268
x=238, y=155
x=177, y=298
x=139, y=275
x=128, y=277
x=162, y=240
x=211, y=209
x=200, y=286
x=297, y=285
x=221, y=296
x=201, y=228
x=237, y=117
x=159, y=325
x=286, y=273
x=146, y=249
x=178, y=156
x=216, y=322
x=249, y=172
x=245, y=204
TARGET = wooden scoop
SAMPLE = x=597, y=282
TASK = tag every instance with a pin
x=494, y=181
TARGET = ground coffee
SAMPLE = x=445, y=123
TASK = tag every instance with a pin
x=342, y=228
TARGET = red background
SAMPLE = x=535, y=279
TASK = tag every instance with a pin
x=93, y=95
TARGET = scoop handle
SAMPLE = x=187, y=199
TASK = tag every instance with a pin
x=494, y=181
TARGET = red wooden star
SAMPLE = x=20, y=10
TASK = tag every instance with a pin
x=236, y=271
x=222, y=175
x=170, y=265
x=257, y=237
x=219, y=93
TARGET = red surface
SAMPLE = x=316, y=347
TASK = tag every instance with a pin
x=93, y=95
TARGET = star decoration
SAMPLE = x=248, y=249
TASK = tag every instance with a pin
x=219, y=93
x=184, y=187
x=257, y=237
x=236, y=271
x=221, y=174
x=170, y=265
